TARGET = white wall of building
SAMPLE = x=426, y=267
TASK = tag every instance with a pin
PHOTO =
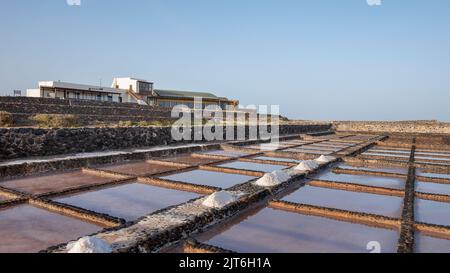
x=34, y=93
x=125, y=83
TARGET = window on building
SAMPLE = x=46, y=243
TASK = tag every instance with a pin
x=144, y=87
x=99, y=97
x=110, y=98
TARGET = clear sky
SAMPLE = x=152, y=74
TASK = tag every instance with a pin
x=317, y=59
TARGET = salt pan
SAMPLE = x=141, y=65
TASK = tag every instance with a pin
x=273, y=179
x=89, y=244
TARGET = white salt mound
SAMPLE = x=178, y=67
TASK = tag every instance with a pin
x=325, y=159
x=273, y=179
x=307, y=165
x=220, y=199
x=89, y=245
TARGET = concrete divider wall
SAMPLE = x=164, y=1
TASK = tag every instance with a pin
x=26, y=142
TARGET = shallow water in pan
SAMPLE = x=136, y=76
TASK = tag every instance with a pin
x=433, y=153
x=25, y=228
x=427, y=244
x=129, y=201
x=345, y=200
x=390, y=151
x=56, y=182
x=317, y=152
x=139, y=168
x=432, y=212
x=435, y=188
x=386, y=155
x=276, y=231
x=369, y=180
x=191, y=160
x=281, y=159
x=375, y=169
x=253, y=166
x=225, y=153
x=215, y=179
x=437, y=175
x=433, y=163
x=429, y=158
x=322, y=148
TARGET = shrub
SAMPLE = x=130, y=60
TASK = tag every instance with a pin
x=6, y=119
x=55, y=121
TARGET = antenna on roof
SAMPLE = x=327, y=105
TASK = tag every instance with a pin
x=100, y=82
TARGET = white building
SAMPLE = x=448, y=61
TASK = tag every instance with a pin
x=65, y=90
x=128, y=90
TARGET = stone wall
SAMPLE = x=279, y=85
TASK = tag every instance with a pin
x=87, y=111
x=26, y=142
x=411, y=127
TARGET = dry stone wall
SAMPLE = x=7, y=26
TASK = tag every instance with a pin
x=26, y=142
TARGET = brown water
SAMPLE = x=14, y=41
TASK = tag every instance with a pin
x=25, y=228
x=139, y=168
x=375, y=169
x=56, y=182
x=253, y=166
x=215, y=179
x=129, y=201
x=188, y=159
x=368, y=180
x=427, y=244
x=432, y=212
x=432, y=188
x=345, y=200
x=274, y=231
x=280, y=159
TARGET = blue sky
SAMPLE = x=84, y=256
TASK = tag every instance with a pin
x=317, y=59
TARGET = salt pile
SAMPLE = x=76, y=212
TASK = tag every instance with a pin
x=273, y=179
x=307, y=165
x=89, y=245
x=325, y=159
x=220, y=199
